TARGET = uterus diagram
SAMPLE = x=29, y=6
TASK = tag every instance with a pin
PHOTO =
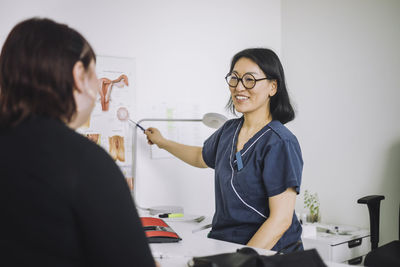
x=107, y=87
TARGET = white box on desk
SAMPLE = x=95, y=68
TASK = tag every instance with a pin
x=339, y=244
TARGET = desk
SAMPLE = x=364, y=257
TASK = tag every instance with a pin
x=197, y=244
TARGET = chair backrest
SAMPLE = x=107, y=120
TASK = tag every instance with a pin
x=373, y=203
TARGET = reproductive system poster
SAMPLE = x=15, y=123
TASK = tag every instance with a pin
x=116, y=96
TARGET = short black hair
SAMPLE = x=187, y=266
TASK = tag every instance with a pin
x=36, y=64
x=269, y=63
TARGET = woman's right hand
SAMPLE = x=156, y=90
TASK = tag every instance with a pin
x=189, y=154
x=154, y=137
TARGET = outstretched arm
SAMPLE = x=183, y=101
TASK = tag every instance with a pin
x=190, y=154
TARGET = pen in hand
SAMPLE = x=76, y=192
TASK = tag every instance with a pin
x=123, y=115
x=138, y=125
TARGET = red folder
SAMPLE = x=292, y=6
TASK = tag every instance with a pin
x=157, y=231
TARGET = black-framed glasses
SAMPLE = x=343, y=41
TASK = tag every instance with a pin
x=248, y=80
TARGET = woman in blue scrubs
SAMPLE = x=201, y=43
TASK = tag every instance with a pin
x=257, y=160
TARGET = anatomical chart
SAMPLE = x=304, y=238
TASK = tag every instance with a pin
x=116, y=94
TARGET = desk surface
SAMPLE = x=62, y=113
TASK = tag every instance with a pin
x=196, y=244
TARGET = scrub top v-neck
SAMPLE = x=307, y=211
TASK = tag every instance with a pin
x=271, y=162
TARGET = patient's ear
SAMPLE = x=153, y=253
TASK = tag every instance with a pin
x=274, y=88
x=78, y=72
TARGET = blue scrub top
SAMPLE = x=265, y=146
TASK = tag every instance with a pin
x=272, y=162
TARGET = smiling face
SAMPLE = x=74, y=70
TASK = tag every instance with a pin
x=255, y=100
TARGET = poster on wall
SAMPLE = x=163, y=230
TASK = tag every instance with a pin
x=116, y=97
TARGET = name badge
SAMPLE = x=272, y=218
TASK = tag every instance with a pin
x=239, y=161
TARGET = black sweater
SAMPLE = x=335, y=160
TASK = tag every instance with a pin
x=64, y=202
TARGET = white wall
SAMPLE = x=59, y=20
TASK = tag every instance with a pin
x=182, y=51
x=342, y=63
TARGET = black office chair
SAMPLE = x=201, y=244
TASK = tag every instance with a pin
x=389, y=254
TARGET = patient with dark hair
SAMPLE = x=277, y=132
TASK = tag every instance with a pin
x=63, y=200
